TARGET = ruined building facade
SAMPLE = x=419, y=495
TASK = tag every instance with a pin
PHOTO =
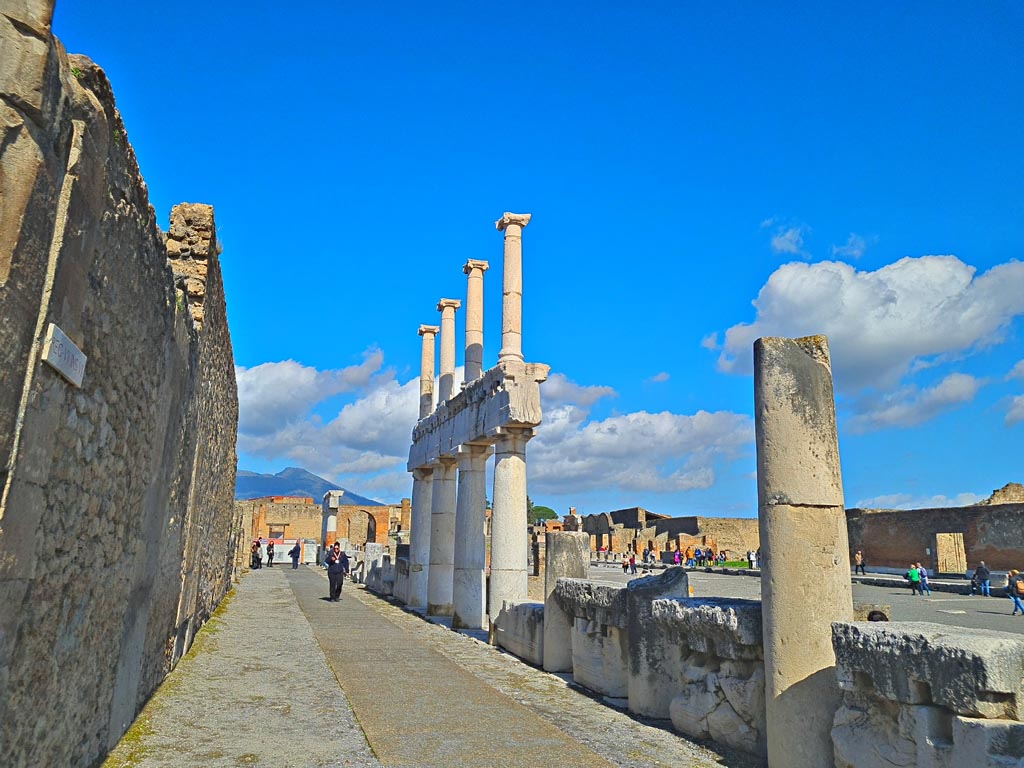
x=118, y=412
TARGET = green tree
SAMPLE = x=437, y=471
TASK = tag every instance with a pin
x=543, y=513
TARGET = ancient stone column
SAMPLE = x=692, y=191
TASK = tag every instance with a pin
x=419, y=536
x=446, y=385
x=567, y=556
x=442, y=538
x=475, y=318
x=508, y=521
x=512, y=287
x=429, y=333
x=469, y=607
x=800, y=510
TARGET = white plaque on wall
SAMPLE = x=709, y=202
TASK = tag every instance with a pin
x=61, y=354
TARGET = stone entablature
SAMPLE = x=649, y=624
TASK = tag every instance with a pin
x=506, y=396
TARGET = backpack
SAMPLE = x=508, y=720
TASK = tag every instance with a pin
x=1019, y=586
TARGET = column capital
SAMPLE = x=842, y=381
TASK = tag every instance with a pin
x=425, y=329
x=522, y=219
x=444, y=304
x=472, y=264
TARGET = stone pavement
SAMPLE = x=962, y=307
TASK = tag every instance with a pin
x=261, y=688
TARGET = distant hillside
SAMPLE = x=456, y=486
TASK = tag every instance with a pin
x=293, y=481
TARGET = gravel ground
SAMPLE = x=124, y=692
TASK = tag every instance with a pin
x=254, y=690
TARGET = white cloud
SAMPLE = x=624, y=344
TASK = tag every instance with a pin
x=658, y=378
x=853, y=249
x=1015, y=415
x=558, y=390
x=907, y=501
x=273, y=394
x=710, y=341
x=651, y=452
x=882, y=323
x=910, y=406
x=789, y=240
x=1017, y=372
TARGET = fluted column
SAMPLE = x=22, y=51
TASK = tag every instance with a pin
x=446, y=385
x=429, y=333
x=474, y=318
x=442, y=539
x=512, y=286
x=508, y=521
x=469, y=585
x=801, y=507
x=419, y=536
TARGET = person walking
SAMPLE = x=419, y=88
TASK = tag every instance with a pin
x=914, y=577
x=858, y=563
x=1015, y=591
x=337, y=567
x=295, y=553
x=983, y=576
x=632, y=563
x=270, y=554
x=677, y=558
x=923, y=573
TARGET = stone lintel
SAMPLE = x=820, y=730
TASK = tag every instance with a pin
x=425, y=329
x=522, y=219
x=507, y=395
x=446, y=303
x=472, y=264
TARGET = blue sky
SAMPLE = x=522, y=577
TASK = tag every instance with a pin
x=698, y=174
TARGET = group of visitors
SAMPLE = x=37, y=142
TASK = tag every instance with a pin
x=256, y=554
x=917, y=576
x=754, y=558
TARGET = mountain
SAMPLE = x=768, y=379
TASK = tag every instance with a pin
x=293, y=481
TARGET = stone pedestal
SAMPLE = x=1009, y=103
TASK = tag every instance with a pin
x=805, y=578
x=429, y=333
x=508, y=520
x=442, y=540
x=567, y=555
x=474, y=269
x=469, y=608
x=419, y=537
x=512, y=286
x=446, y=382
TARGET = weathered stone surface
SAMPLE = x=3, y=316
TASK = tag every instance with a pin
x=567, y=555
x=116, y=510
x=601, y=603
x=918, y=663
x=724, y=627
x=519, y=629
x=506, y=395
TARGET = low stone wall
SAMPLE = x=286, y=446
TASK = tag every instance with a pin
x=519, y=629
x=928, y=695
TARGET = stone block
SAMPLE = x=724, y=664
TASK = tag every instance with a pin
x=971, y=674
x=519, y=629
x=599, y=657
x=727, y=628
x=987, y=743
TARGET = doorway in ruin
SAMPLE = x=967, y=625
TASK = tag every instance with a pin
x=371, y=529
x=950, y=555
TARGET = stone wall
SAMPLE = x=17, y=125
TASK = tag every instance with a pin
x=895, y=538
x=116, y=519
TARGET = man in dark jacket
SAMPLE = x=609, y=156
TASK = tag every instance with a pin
x=337, y=567
x=294, y=553
x=984, y=578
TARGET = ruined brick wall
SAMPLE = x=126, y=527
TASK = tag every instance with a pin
x=736, y=535
x=301, y=519
x=116, y=514
x=354, y=523
x=895, y=538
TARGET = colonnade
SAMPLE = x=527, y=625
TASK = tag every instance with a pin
x=495, y=413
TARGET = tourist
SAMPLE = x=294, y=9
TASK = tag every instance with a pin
x=270, y=554
x=677, y=558
x=923, y=573
x=294, y=553
x=257, y=555
x=632, y=563
x=1015, y=590
x=337, y=567
x=750, y=558
x=983, y=578
x=913, y=576
x=858, y=563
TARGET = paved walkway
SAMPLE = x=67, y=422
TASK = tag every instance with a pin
x=281, y=677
